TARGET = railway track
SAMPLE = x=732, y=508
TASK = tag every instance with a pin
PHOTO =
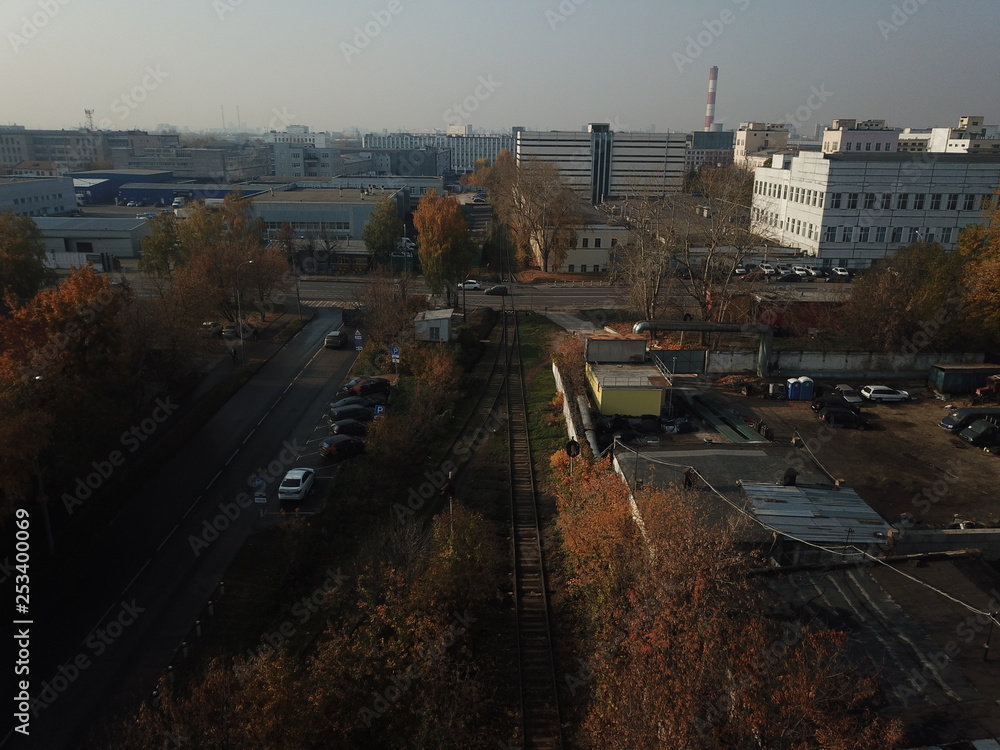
x=540, y=720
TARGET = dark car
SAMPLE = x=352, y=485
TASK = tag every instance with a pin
x=981, y=433
x=359, y=413
x=365, y=386
x=341, y=446
x=349, y=427
x=843, y=418
x=791, y=276
x=339, y=402
x=499, y=291
x=834, y=402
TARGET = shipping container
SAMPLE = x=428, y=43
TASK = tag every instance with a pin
x=958, y=379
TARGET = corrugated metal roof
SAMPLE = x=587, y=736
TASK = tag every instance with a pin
x=72, y=224
x=815, y=514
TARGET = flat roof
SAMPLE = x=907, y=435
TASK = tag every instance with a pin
x=435, y=314
x=816, y=514
x=323, y=195
x=628, y=376
x=122, y=172
x=77, y=224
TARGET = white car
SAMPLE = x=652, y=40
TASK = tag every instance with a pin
x=840, y=273
x=848, y=393
x=471, y=285
x=883, y=393
x=296, y=485
x=800, y=270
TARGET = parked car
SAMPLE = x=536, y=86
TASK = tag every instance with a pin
x=833, y=402
x=981, y=433
x=351, y=427
x=479, y=199
x=341, y=446
x=359, y=413
x=210, y=328
x=768, y=269
x=365, y=386
x=500, y=291
x=757, y=275
x=369, y=402
x=847, y=393
x=838, y=273
x=789, y=277
x=296, y=485
x=470, y=285
x=884, y=393
x=959, y=419
x=843, y=418
x=802, y=271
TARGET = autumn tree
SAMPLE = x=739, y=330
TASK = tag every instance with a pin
x=446, y=248
x=480, y=174
x=285, y=239
x=915, y=290
x=536, y=203
x=22, y=258
x=979, y=248
x=383, y=230
x=678, y=636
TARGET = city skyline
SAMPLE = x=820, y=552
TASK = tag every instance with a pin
x=396, y=66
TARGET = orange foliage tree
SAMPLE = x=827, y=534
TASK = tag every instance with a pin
x=679, y=640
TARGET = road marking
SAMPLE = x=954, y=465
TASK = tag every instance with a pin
x=247, y=437
x=108, y=610
x=235, y=454
x=217, y=475
x=197, y=501
x=264, y=417
x=144, y=566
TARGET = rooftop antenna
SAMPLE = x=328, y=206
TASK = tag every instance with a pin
x=221, y=107
x=90, y=118
x=238, y=127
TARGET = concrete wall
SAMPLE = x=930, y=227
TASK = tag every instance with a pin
x=945, y=540
x=795, y=363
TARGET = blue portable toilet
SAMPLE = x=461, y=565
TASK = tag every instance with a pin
x=794, y=387
x=807, y=387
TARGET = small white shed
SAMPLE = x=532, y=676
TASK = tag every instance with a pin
x=434, y=325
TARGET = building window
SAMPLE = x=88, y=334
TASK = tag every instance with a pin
x=970, y=202
x=847, y=235
x=918, y=202
x=863, y=234
x=583, y=268
x=869, y=200
x=886, y=201
x=597, y=241
x=897, y=234
x=880, y=234
x=614, y=241
x=936, y=202
x=902, y=201
x=946, y=235
x=952, y=201
x=912, y=234
x=878, y=146
x=852, y=200
x=586, y=242
x=570, y=267
x=868, y=146
x=830, y=235
x=847, y=146
x=835, y=200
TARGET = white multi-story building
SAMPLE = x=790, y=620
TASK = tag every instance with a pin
x=298, y=135
x=849, y=209
x=845, y=136
x=972, y=136
x=602, y=164
x=758, y=139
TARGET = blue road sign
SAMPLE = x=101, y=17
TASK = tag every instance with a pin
x=257, y=482
x=395, y=351
x=379, y=409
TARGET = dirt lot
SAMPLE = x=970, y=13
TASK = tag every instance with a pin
x=904, y=463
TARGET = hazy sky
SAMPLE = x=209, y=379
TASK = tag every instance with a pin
x=543, y=64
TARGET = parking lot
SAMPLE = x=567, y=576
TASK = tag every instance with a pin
x=904, y=463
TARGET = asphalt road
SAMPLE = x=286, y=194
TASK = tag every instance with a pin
x=109, y=626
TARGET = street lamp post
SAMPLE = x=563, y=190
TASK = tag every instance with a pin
x=673, y=375
x=239, y=315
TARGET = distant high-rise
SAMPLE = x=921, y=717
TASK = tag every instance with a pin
x=713, y=79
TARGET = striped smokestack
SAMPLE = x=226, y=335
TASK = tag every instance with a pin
x=713, y=78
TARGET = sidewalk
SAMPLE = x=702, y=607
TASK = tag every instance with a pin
x=570, y=322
